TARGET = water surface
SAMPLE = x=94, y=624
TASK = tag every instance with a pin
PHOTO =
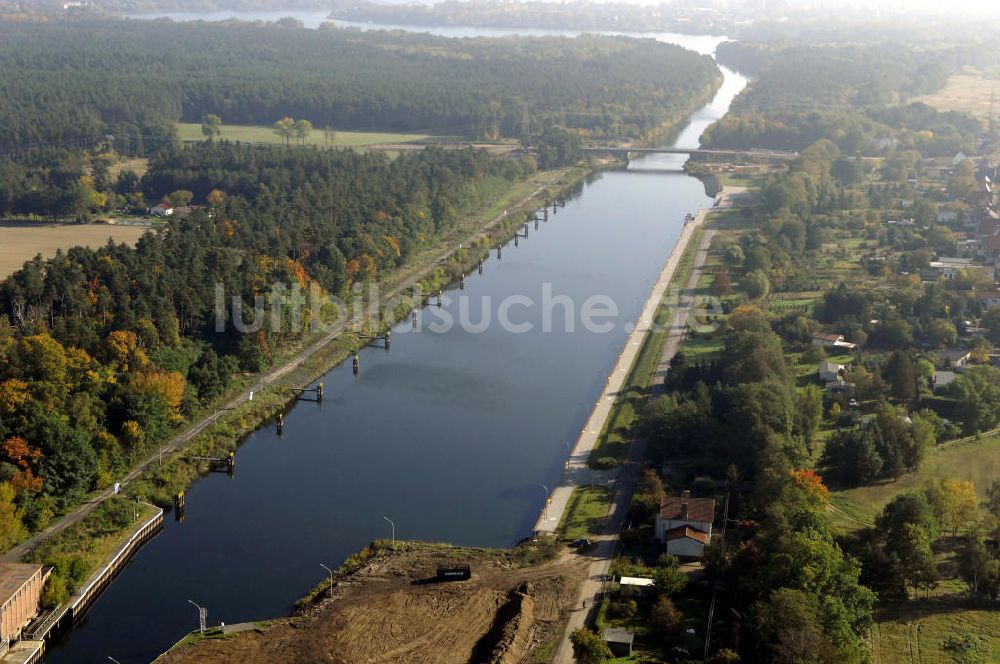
x=450, y=435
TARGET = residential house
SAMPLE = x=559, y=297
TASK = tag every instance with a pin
x=956, y=358
x=684, y=524
x=949, y=268
x=828, y=371
x=162, y=210
x=832, y=339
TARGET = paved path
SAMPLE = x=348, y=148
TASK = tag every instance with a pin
x=396, y=284
x=624, y=479
x=685, y=304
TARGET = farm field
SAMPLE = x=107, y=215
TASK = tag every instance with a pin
x=189, y=131
x=22, y=242
x=977, y=460
x=971, y=92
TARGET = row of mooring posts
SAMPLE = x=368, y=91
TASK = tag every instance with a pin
x=227, y=463
x=179, y=506
x=386, y=339
x=317, y=391
x=223, y=464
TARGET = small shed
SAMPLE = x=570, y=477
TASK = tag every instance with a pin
x=635, y=581
x=619, y=641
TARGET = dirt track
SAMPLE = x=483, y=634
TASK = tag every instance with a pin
x=386, y=614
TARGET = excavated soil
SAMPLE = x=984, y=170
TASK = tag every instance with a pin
x=392, y=613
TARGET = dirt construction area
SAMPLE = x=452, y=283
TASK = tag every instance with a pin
x=393, y=611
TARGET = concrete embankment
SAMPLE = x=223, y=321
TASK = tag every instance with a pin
x=577, y=472
x=31, y=649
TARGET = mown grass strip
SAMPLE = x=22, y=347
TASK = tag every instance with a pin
x=616, y=435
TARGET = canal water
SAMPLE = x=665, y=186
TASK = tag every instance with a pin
x=452, y=435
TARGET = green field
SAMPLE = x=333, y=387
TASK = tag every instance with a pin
x=189, y=131
x=977, y=460
x=934, y=632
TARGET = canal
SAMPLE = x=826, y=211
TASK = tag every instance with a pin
x=449, y=435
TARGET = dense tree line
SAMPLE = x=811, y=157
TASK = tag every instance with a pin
x=74, y=82
x=853, y=95
x=103, y=351
x=796, y=593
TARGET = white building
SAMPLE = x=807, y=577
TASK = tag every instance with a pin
x=684, y=524
x=832, y=339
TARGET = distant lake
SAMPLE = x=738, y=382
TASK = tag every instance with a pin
x=704, y=44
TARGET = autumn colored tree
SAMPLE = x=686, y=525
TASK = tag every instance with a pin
x=14, y=395
x=168, y=385
x=811, y=484
x=11, y=527
x=19, y=453
x=42, y=363
x=954, y=503
x=121, y=349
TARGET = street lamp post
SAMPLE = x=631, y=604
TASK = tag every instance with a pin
x=545, y=510
x=331, y=577
x=202, y=614
x=393, y=531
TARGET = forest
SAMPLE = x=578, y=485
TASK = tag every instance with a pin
x=103, y=351
x=856, y=96
x=154, y=73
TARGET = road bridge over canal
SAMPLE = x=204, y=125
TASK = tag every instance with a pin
x=623, y=152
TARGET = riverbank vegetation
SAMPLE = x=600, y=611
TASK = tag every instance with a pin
x=841, y=411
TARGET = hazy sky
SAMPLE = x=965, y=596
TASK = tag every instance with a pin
x=955, y=8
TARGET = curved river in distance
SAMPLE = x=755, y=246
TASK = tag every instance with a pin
x=450, y=434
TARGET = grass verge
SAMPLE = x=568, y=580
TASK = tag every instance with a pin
x=586, y=513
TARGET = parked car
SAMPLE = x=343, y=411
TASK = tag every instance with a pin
x=580, y=543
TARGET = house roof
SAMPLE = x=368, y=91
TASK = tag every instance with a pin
x=953, y=354
x=618, y=635
x=942, y=378
x=13, y=576
x=698, y=510
x=828, y=336
x=830, y=367
x=686, y=532
x=634, y=581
